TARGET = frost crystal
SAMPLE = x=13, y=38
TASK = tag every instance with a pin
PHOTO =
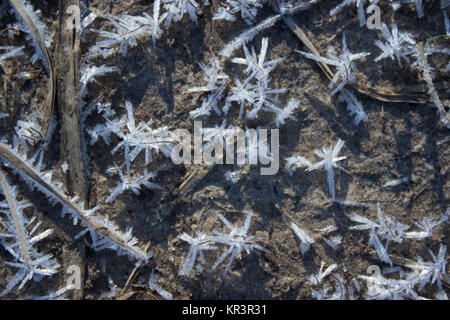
x=233, y=176
x=426, y=224
x=330, y=159
x=216, y=81
x=395, y=182
x=292, y=105
x=214, y=77
x=248, y=9
x=89, y=72
x=12, y=52
x=237, y=240
x=177, y=8
x=381, y=288
x=354, y=106
x=397, y=44
x=305, y=240
x=295, y=162
x=343, y=63
x=153, y=285
x=19, y=239
x=128, y=29
x=134, y=183
x=387, y=228
x=318, y=278
x=430, y=272
x=136, y=137
x=258, y=93
x=42, y=30
x=256, y=66
x=197, y=246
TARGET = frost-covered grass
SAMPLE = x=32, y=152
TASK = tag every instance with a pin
x=239, y=85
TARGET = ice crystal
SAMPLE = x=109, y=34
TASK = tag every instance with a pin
x=233, y=176
x=426, y=225
x=395, y=182
x=197, y=245
x=354, y=106
x=11, y=52
x=213, y=76
x=257, y=67
x=330, y=159
x=237, y=240
x=430, y=272
x=135, y=137
x=381, y=288
x=248, y=35
x=322, y=274
x=386, y=228
x=43, y=31
x=133, y=183
x=344, y=64
x=19, y=239
x=397, y=44
x=88, y=74
x=177, y=8
x=304, y=238
x=128, y=30
x=153, y=285
x=247, y=8
x=295, y=162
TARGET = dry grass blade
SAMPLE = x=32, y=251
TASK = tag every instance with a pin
x=380, y=94
x=27, y=170
x=191, y=179
x=133, y=273
x=15, y=216
x=50, y=101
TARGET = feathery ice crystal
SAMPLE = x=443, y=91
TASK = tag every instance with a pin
x=20, y=240
x=133, y=183
x=354, y=106
x=305, y=239
x=397, y=44
x=387, y=228
x=343, y=63
x=11, y=52
x=197, y=246
x=136, y=137
x=248, y=9
x=330, y=159
x=237, y=240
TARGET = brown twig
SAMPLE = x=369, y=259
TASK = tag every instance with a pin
x=68, y=66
